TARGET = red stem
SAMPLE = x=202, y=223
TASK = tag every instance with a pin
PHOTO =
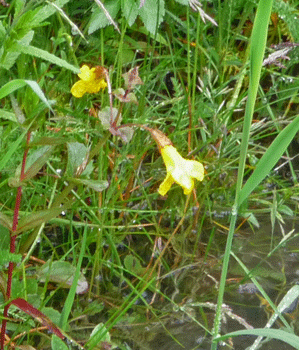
x=13, y=244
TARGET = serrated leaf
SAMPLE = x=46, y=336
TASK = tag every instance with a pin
x=99, y=19
x=7, y=257
x=130, y=11
x=152, y=14
x=46, y=11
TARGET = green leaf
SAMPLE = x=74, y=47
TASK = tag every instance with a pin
x=133, y=265
x=11, y=51
x=35, y=87
x=13, y=147
x=152, y=14
x=46, y=11
x=16, y=84
x=96, y=185
x=269, y=159
x=6, y=115
x=45, y=55
x=6, y=222
x=7, y=257
x=62, y=272
x=130, y=11
x=37, y=218
x=58, y=344
x=77, y=159
x=48, y=140
x=11, y=86
x=183, y=2
x=34, y=162
x=99, y=19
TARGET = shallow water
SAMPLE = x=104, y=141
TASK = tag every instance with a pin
x=194, y=290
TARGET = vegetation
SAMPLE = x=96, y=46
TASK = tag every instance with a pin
x=109, y=238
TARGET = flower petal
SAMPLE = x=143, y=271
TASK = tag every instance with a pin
x=79, y=88
x=86, y=73
x=195, y=169
x=165, y=185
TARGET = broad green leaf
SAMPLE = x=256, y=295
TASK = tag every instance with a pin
x=152, y=14
x=36, y=160
x=62, y=272
x=77, y=159
x=47, y=56
x=99, y=19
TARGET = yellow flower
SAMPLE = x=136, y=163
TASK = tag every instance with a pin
x=89, y=82
x=179, y=170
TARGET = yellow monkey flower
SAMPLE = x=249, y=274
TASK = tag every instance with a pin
x=90, y=82
x=179, y=170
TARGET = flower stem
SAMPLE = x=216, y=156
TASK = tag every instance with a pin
x=13, y=244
